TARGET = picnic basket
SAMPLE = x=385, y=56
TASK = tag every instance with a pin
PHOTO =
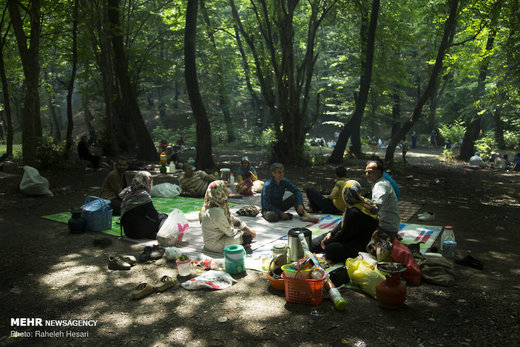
x=98, y=213
x=303, y=290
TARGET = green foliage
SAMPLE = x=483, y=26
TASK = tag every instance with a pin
x=268, y=138
x=315, y=156
x=50, y=154
x=485, y=146
x=453, y=132
x=511, y=138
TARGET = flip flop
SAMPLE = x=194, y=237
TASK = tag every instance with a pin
x=165, y=283
x=142, y=290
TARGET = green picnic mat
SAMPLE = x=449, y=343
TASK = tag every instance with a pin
x=164, y=205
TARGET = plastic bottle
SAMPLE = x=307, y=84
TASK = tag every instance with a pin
x=172, y=167
x=232, y=179
x=163, y=158
x=448, y=243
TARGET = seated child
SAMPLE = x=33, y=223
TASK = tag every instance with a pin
x=246, y=186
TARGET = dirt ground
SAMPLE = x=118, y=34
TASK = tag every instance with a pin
x=48, y=273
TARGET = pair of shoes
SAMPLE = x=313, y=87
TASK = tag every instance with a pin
x=151, y=253
x=116, y=262
x=426, y=216
x=130, y=259
x=469, y=261
x=145, y=289
x=102, y=242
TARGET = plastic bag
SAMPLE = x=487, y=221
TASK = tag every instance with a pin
x=94, y=203
x=212, y=279
x=402, y=254
x=360, y=272
x=173, y=229
x=165, y=190
x=34, y=184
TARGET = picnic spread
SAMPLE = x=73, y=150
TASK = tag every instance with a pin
x=280, y=250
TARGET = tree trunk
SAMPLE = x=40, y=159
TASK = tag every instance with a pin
x=145, y=146
x=70, y=85
x=352, y=128
x=473, y=126
x=55, y=124
x=396, y=112
x=31, y=124
x=449, y=27
x=498, y=127
x=204, y=157
x=7, y=102
x=223, y=90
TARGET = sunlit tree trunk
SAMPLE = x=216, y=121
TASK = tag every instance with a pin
x=70, y=85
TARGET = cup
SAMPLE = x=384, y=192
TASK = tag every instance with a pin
x=448, y=248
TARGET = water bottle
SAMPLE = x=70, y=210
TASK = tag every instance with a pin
x=448, y=243
x=232, y=179
x=172, y=167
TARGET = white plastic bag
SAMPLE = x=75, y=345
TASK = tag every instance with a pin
x=34, y=184
x=212, y=279
x=173, y=229
x=165, y=190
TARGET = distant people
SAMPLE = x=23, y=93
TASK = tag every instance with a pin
x=273, y=204
x=332, y=203
x=114, y=183
x=414, y=139
x=516, y=162
x=383, y=195
x=84, y=153
x=352, y=235
x=173, y=156
x=91, y=138
x=476, y=162
x=380, y=143
x=139, y=218
x=219, y=227
x=241, y=172
x=500, y=163
x=163, y=146
x=433, y=138
x=404, y=149
x=195, y=183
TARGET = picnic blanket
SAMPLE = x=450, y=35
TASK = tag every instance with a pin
x=267, y=233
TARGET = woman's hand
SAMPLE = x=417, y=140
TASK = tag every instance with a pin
x=251, y=231
x=322, y=243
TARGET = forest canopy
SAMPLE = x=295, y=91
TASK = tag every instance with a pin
x=270, y=73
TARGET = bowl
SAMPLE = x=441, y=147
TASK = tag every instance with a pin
x=276, y=281
x=293, y=273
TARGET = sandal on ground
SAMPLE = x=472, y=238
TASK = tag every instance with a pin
x=165, y=283
x=142, y=290
x=470, y=261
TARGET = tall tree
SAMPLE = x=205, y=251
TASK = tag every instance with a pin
x=5, y=86
x=352, y=128
x=145, y=146
x=289, y=96
x=29, y=49
x=204, y=157
x=70, y=84
x=449, y=27
x=473, y=125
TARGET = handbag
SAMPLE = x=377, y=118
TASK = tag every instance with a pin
x=98, y=213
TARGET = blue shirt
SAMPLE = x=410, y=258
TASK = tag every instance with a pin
x=394, y=185
x=272, y=194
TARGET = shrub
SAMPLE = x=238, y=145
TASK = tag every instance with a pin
x=50, y=154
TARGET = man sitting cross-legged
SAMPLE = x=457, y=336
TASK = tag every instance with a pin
x=273, y=204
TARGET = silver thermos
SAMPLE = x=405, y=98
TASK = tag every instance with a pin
x=295, y=247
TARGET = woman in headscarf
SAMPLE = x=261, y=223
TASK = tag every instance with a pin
x=139, y=218
x=246, y=171
x=352, y=235
x=219, y=228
